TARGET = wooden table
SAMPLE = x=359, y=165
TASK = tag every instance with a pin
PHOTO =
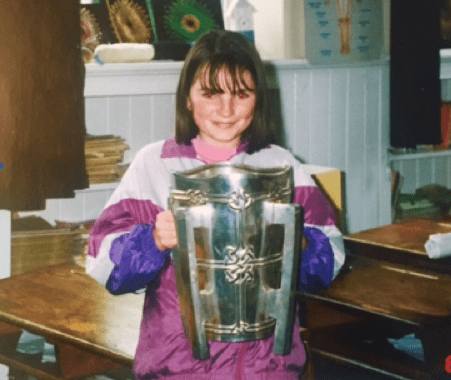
x=66, y=306
x=384, y=291
x=401, y=243
x=370, y=299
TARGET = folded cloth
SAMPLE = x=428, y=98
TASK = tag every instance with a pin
x=438, y=245
x=124, y=52
x=33, y=344
x=410, y=345
x=30, y=343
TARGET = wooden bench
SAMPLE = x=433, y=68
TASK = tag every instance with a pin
x=91, y=329
x=388, y=287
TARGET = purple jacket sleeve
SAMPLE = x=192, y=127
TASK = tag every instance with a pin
x=137, y=260
x=317, y=261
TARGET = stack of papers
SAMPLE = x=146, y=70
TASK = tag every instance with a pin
x=411, y=206
x=31, y=250
x=104, y=155
x=81, y=241
x=36, y=244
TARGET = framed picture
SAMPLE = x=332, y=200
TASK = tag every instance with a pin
x=342, y=31
x=184, y=21
x=170, y=25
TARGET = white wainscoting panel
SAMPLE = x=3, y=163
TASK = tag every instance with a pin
x=332, y=116
x=338, y=116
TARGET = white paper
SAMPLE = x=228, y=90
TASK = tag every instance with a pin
x=438, y=245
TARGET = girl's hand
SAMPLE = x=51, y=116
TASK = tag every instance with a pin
x=164, y=233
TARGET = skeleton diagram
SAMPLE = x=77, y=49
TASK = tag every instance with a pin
x=344, y=23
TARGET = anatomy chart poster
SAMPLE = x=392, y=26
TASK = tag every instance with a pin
x=340, y=31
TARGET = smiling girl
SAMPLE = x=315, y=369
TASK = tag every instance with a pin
x=221, y=116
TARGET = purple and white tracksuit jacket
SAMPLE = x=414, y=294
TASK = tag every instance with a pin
x=123, y=257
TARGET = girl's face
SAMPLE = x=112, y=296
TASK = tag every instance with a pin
x=222, y=116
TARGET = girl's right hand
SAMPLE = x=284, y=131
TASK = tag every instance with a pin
x=164, y=233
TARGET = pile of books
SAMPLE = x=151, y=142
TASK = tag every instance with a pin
x=35, y=244
x=104, y=157
x=81, y=241
x=411, y=206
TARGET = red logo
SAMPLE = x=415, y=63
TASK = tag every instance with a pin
x=448, y=364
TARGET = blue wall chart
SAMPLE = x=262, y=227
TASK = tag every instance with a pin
x=340, y=31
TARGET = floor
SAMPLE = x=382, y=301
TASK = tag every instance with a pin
x=324, y=371
x=330, y=371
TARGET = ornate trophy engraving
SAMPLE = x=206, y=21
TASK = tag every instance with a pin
x=238, y=254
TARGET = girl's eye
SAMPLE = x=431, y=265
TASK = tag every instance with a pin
x=207, y=95
x=244, y=94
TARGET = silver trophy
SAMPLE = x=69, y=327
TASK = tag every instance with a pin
x=237, y=257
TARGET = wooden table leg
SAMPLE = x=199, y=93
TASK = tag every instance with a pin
x=309, y=370
x=74, y=362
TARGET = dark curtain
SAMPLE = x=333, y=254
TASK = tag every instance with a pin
x=415, y=73
x=42, y=121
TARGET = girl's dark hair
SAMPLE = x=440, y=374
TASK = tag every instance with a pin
x=216, y=50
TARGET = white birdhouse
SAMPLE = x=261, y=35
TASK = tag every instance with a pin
x=239, y=16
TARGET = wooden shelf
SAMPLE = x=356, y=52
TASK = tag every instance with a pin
x=412, y=154
x=31, y=364
x=341, y=344
x=99, y=187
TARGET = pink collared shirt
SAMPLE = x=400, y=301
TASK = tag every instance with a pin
x=211, y=154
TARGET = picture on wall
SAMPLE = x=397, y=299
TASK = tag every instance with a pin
x=185, y=21
x=95, y=22
x=119, y=21
x=148, y=21
x=130, y=20
x=340, y=31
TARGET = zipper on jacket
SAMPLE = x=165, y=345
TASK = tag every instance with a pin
x=239, y=374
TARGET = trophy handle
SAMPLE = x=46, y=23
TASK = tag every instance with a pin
x=187, y=281
x=291, y=216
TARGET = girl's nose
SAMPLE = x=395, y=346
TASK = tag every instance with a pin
x=226, y=105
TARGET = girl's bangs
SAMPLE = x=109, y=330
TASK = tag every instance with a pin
x=208, y=76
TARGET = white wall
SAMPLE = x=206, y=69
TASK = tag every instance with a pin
x=331, y=116
x=338, y=117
